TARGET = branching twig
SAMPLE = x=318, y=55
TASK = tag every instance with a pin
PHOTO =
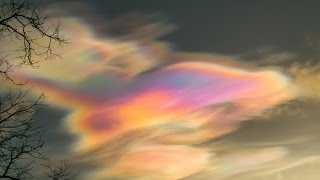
x=26, y=25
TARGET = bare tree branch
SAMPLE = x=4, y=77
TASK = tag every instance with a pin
x=20, y=139
x=60, y=172
x=25, y=26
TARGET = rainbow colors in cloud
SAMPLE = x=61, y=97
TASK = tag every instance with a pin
x=183, y=103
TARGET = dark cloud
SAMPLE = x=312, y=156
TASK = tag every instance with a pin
x=58, y=139
x=228, y=27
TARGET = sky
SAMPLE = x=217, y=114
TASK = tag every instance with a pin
x=192, y=90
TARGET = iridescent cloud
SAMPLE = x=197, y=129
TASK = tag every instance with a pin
x=115, y=87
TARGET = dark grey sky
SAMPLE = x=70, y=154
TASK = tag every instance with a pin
x=228, y=26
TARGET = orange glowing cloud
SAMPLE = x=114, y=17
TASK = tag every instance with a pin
x=186, y=101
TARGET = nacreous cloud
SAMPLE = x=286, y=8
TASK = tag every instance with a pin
x=179, y=103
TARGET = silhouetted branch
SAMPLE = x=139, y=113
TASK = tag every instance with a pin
x=20, y=139
x=25, y=24
x=60, y=172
